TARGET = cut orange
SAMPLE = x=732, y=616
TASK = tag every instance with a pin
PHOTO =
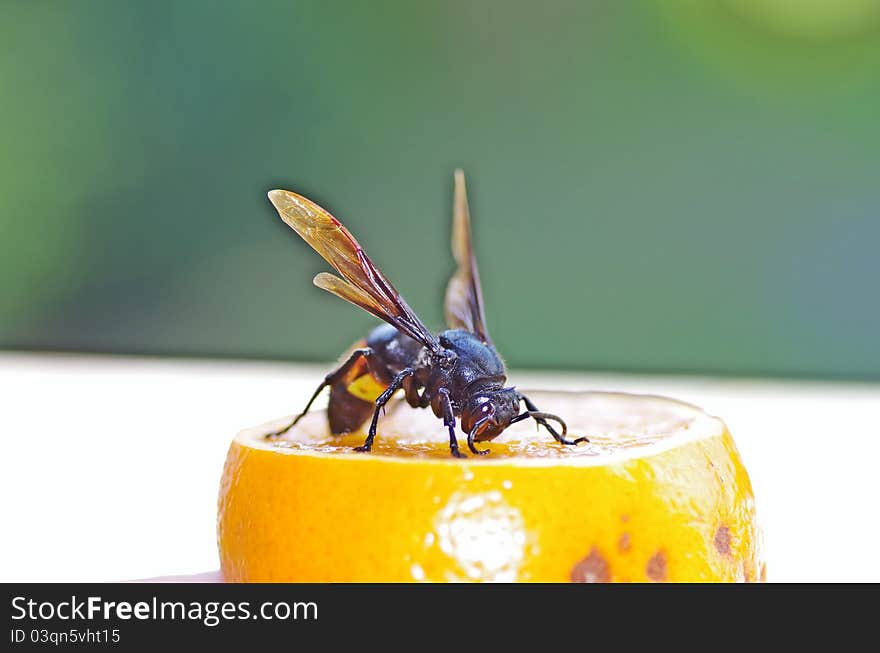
x=659, y=494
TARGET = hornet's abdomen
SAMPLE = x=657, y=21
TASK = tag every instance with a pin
x=352, y=396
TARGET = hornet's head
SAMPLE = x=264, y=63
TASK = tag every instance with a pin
x=488, y=413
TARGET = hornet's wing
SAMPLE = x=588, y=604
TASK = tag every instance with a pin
x=362, y=283
x=464, y=298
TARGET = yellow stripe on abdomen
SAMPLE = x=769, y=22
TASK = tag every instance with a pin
x=366, y=387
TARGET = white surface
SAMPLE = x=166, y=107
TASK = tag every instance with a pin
x=91, y=491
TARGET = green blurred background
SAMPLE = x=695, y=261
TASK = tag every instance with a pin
x=655, y=186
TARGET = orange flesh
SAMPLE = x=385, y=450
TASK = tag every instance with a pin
x=659, y=494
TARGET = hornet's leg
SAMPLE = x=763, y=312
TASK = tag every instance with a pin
x=330, y=379
x=381, y=400
x=413, y=398
x=543, y=422
x=449, y=422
